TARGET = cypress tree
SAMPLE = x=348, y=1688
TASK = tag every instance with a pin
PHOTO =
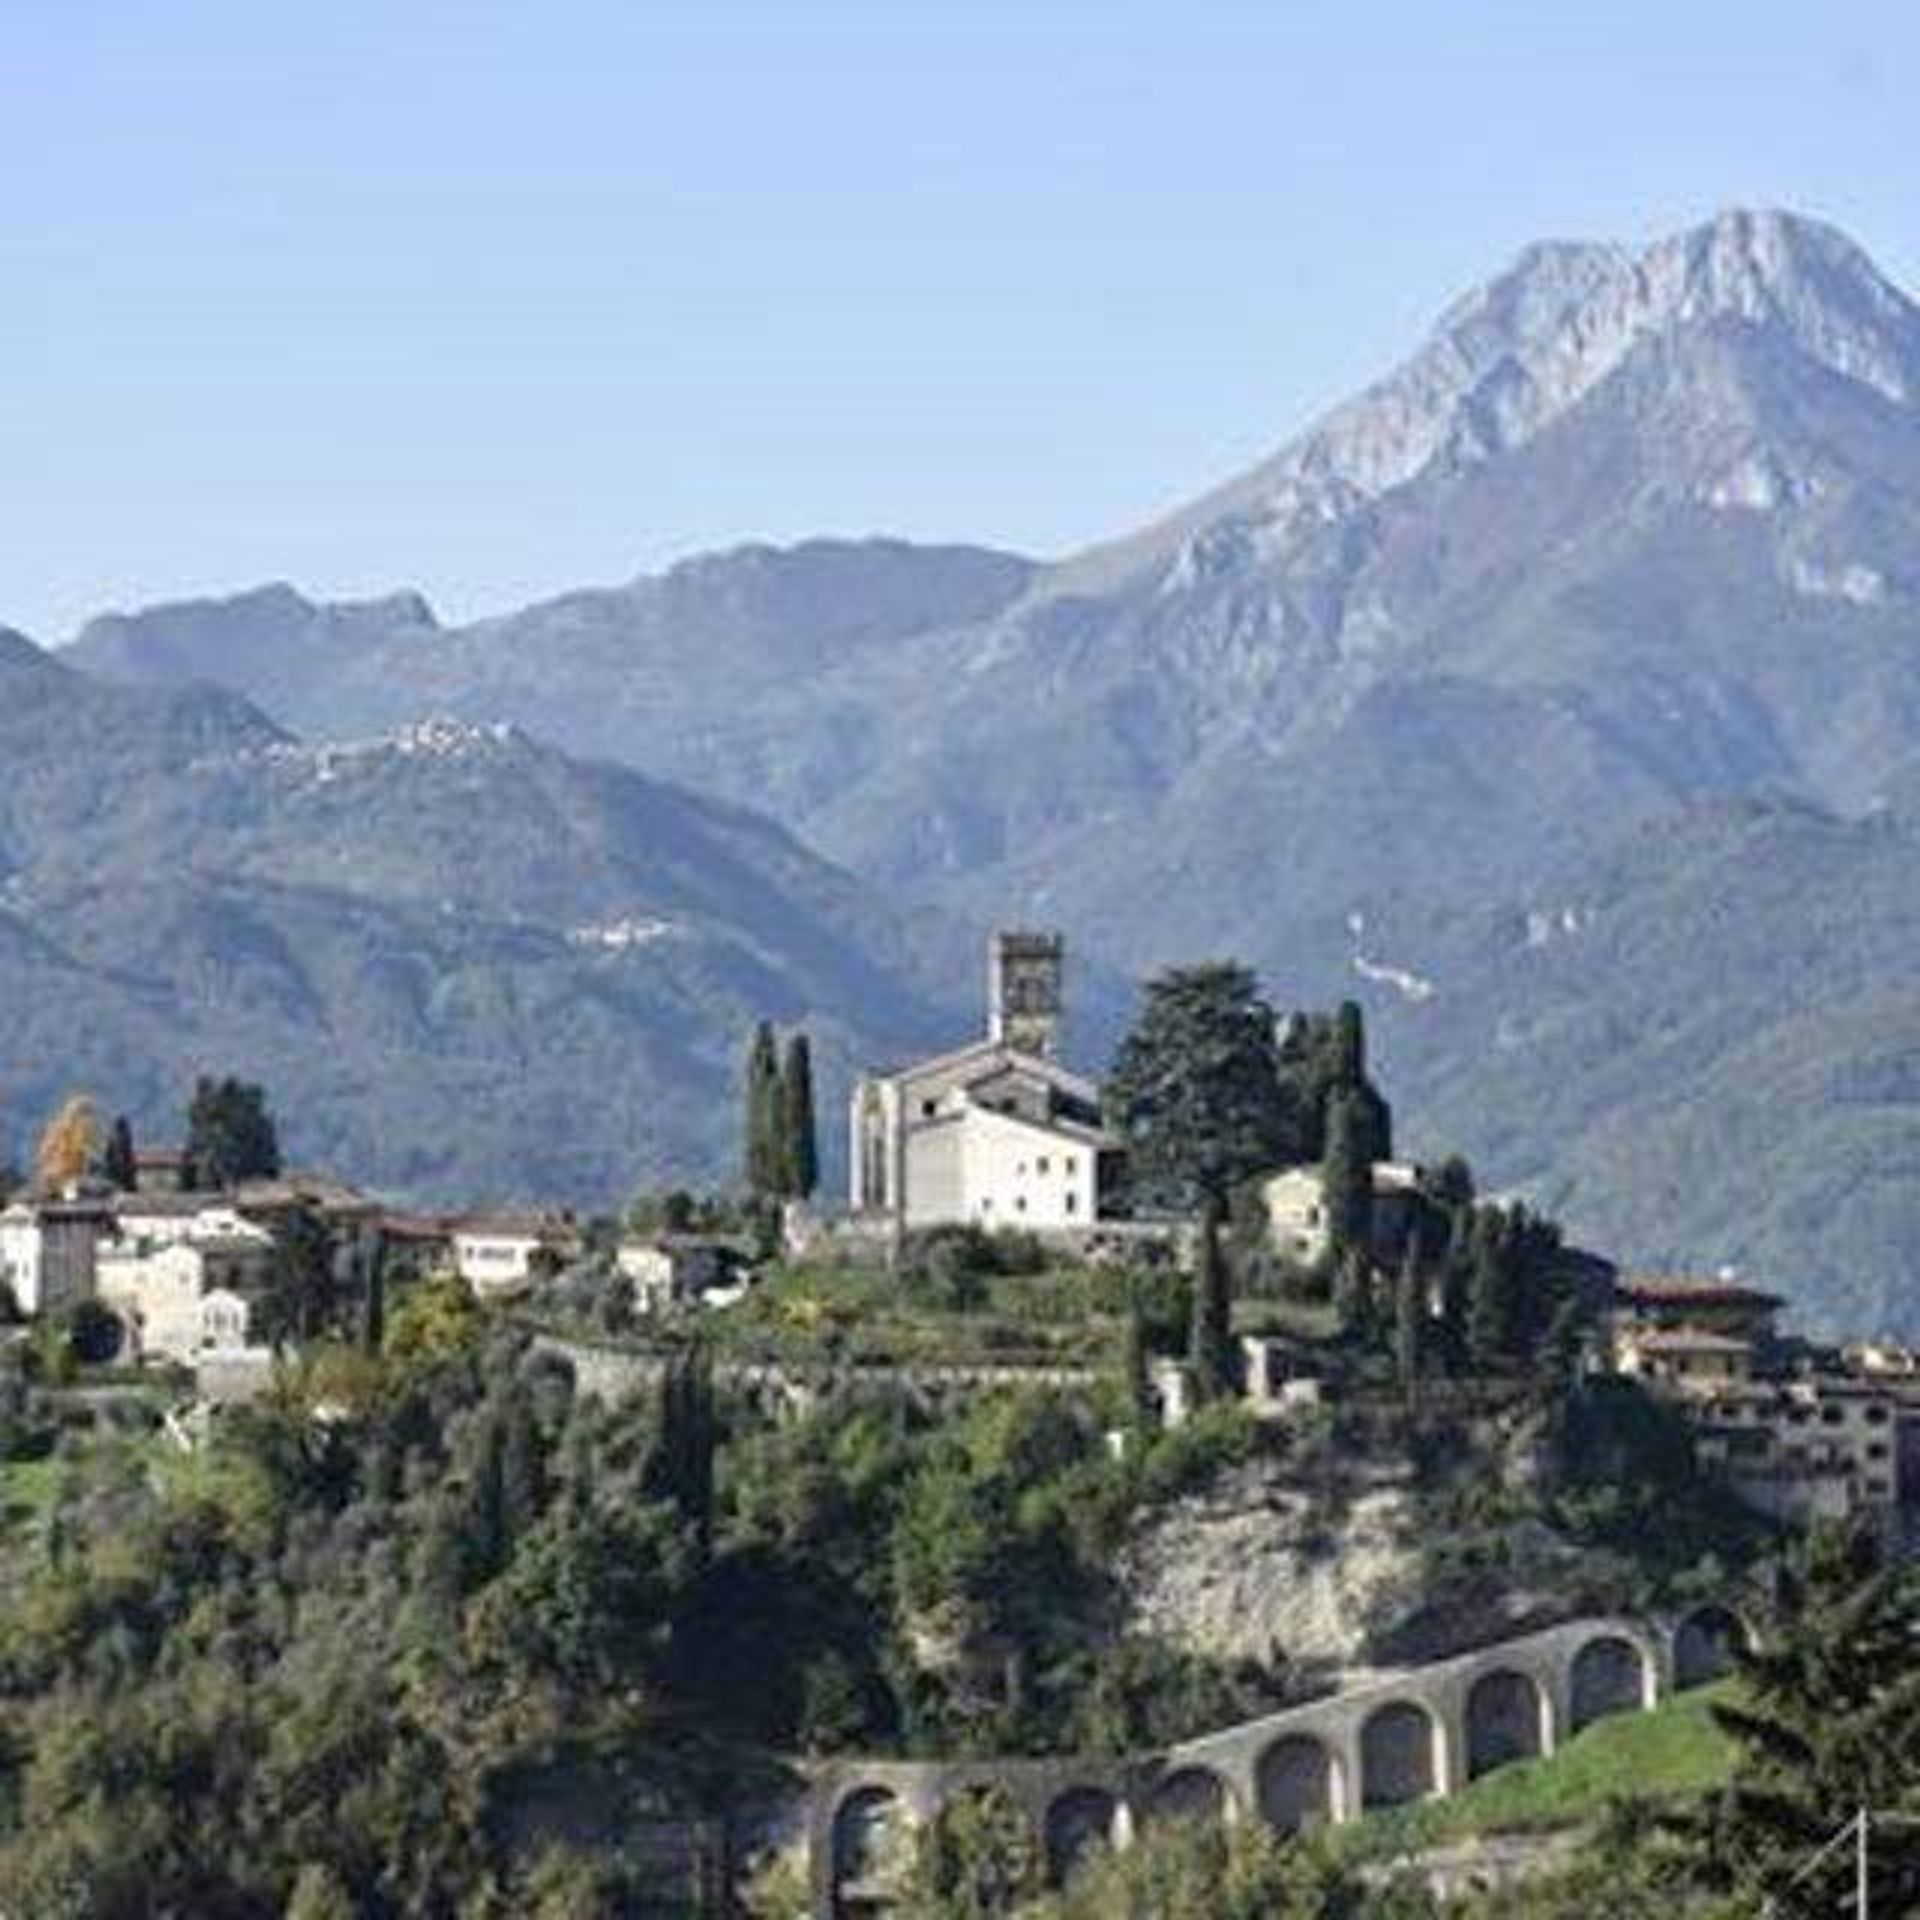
x=1346, y=1176
x=1210, y=1342
x=1409, y=1324
x=1353, y=1295
x=802, y=1168
x=1135, y=1385
x=523, y=1468
x=1349, y=1065
x=1456, y=1279
x=1489, y=1293
x=119, y=1165
x=762, y=1117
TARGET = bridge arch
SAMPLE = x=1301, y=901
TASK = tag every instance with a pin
x=1508, y=1717
x=1190, y=1793
x=1299, y=1782
x=1080, y=1825
x=1610, y=1674
x=1402, y=1757
x=872, y=1844
x=1705, y=1643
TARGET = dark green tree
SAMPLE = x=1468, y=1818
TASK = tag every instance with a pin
x=231, y=1134
x=1410, y=1324
x=1827, y=1722
x=1195, y=1090
x=1210, y=1337
x=1353, y=1301
x=764, y=1155
x=1347, y=1178
x=1136, y=1386
x=802, y=1153
x=118, y=1164
x=300, y=1298
x=1491, y=1290
x=523, y=1466
x=679, y=1466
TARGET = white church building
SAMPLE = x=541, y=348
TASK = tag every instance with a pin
x=996, y=1134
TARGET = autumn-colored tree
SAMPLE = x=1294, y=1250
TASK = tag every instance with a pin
x=71, y=1145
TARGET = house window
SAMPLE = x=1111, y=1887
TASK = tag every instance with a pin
x=1073, y=1203
x=1042, y=1164
x=927, y=1109
x=1831, y=1416
x=1072, y=1165
x=1020, y=1203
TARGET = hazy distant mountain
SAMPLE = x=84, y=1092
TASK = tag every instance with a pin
x=1704, y=1045
x=1633, y=534
x=466, y=965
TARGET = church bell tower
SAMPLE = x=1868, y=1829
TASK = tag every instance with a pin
x=1024, y=991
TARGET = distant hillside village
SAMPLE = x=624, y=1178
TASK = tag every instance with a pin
x=1247, y=1152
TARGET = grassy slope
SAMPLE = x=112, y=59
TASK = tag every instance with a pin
x=1674, y=1751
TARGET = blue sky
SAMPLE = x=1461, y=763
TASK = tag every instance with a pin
x=495, y=300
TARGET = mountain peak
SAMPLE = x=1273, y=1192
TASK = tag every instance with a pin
x=1509, y=358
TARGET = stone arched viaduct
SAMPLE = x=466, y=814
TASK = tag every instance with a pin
x=1387, y=1738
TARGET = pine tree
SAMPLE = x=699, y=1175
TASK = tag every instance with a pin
x=1827, y=1721
x=120, y=1166
x=802, y=1154
x=1210, y=1341
x=231, y=1135
x=762, y=1141
x=1346, y=1176
x=1195, y=1089
x=1410, y=1323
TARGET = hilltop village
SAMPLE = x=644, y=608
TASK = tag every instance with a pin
x=212, y=1264
x=1120, y=1451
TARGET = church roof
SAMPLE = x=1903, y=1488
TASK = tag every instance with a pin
x=994, y=1056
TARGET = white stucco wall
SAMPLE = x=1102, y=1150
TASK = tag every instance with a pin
x=1021, y=1175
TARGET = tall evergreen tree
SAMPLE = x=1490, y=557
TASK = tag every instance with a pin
x=1456, y=1284
x=1410, y=1323
x=762, y=1117
x=1490, y=1293
x=1195, y=1089
x=679, y=1465
x=119, y=1164
x=1347, y=1178
x=523, y=1466
x=1136, y=1386
x=1210, y=1334
x=1353, y=1302
x=802, y=1154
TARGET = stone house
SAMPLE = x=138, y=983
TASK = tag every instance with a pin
x=502, y=1254
x=1296, y=1205
x=676, y=1269
x=181, y=1283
